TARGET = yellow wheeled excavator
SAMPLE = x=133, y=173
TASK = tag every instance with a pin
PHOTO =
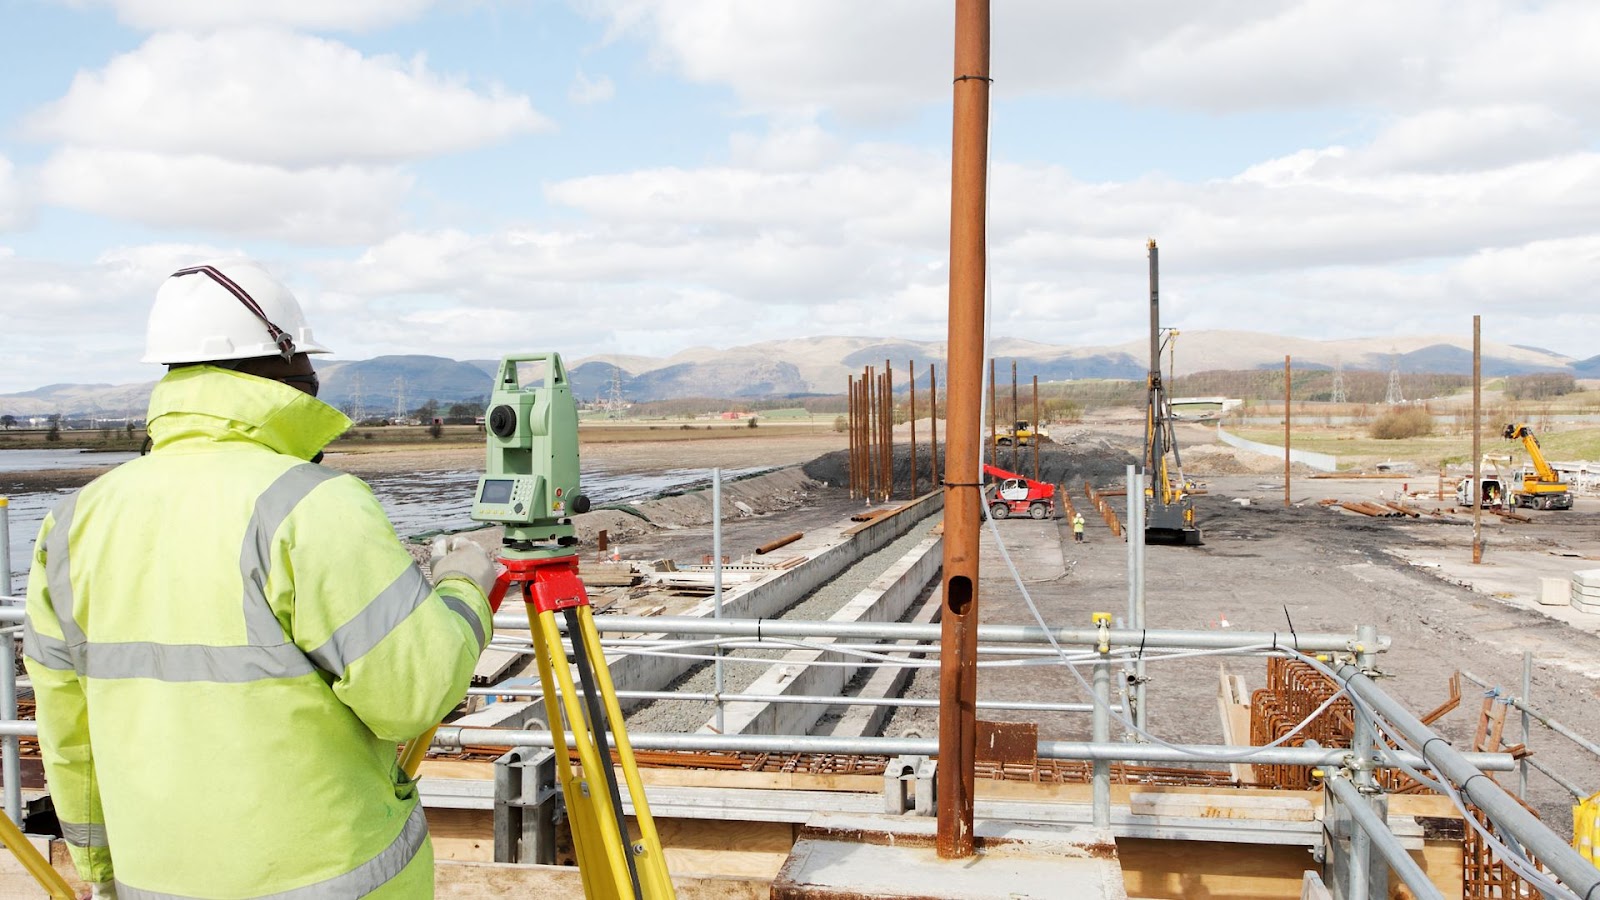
x=1542, y=487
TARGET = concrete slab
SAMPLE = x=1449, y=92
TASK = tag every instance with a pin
x=845, y=857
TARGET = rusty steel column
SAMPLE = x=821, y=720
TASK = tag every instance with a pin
x=933, y=421
x=888, y=429
x=1036, y=440
x=867, y=426
x=958, y=636
x=863, y=445
x=1477, y=437
x=877, y=429
x=850, y=426
x=863, y=440
x=911, y=386
x=1015, y=441
x=855, y=434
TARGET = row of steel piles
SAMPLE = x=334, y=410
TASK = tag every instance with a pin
x=1016, y=410
x=871, y=426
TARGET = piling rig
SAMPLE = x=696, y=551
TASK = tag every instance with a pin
x=1169, y=511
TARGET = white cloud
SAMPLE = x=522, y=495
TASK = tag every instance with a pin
x=1335, y=241
x=1473, y=139
x=262, y=95
x=586, y=91
x=80, y=323
x=315, y=15
x=337, y=205
x=12, y=211
x=871, y=60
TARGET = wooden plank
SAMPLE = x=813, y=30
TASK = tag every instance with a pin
x=609, y=574
x=456, y=769
x=1180, y=870
x=463, y=834
x=788, y=781
x=726, y=848
x=1224, y=805
x=17, y=884
x=493, y=664
x=504, y=881
x=1312, y=888
x=1443, y=861
x=1233, y=707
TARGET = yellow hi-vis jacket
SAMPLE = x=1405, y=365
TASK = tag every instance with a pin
x=227, y=643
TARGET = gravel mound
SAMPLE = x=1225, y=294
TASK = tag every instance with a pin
x=1075, y=459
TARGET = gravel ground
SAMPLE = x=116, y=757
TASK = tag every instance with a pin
x=820, y=604
x=1263, y=566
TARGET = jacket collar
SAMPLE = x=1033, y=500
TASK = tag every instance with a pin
x=206, y=403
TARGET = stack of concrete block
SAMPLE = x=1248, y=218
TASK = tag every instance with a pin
x=1586, y=591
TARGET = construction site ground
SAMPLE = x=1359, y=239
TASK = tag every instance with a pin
x=1263, y=567
x=1268, y=567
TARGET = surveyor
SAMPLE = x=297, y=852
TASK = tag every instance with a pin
x=227, y=641
x=1077, y=527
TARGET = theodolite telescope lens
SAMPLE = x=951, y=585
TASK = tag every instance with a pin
x=503, y=421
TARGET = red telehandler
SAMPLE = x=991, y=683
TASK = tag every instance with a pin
x=1019, y=496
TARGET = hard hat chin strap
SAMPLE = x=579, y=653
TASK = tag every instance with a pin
x=279, y=337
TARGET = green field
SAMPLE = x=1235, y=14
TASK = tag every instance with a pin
x=1356, y=450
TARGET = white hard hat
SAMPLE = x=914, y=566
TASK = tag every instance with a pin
x=225, y=309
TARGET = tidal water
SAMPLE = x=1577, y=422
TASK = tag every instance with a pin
x=417, y=503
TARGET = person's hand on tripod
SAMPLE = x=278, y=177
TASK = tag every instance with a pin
x=460, y=557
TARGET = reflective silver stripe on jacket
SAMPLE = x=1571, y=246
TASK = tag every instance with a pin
x=358, y=882
x=195, y=662
x=52, y=653
x=255, y=557
x=353, y=639
x=81, y=835
x=461, y=608
x=58, y=578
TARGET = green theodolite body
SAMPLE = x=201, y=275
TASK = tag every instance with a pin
x=530, y=480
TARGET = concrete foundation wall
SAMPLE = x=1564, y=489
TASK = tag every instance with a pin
x=769, y=598
x=885, y=600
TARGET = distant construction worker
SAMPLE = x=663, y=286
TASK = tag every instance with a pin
x=1077, y=527
x=227, y=641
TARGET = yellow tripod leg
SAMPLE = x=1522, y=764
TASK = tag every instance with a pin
x=580, y=816
x=650, y=862
x=37, y=865
x=415, y=752
x=602, y=846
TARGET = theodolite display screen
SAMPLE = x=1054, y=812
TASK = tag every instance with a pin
x=496, y=490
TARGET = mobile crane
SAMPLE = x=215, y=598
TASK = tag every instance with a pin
x=1542, y=488
x=1020, y=496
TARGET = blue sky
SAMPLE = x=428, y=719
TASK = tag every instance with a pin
x=473, y=177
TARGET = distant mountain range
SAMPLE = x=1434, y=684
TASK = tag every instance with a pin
x=822, y=365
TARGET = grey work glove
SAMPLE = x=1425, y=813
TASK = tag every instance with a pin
x=459, y=557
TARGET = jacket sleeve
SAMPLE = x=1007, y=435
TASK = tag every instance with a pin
x=400, y=651
x=63, y=713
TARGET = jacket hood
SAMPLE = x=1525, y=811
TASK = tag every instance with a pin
x=213, y=404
